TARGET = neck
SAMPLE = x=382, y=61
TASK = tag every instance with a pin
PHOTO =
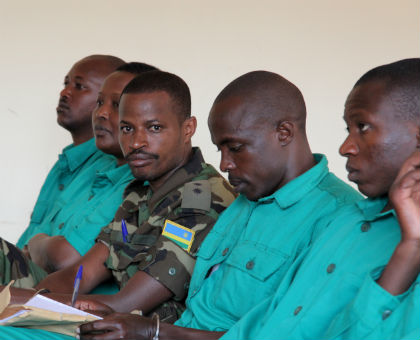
x=81, y=137
x=299, y=164
x=158, y=182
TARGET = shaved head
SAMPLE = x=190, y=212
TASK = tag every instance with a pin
x=268, y=96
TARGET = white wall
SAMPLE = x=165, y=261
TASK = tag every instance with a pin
x=322, y=46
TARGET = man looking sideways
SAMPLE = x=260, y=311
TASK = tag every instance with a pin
x=74, y=113
x=258, y=124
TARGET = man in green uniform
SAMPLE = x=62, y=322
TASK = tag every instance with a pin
x=81, y=211
x=360, y=278
x=74, y=113
x=150, y=247
x=258, y=124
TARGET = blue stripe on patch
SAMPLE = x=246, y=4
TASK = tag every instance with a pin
x=177, y=231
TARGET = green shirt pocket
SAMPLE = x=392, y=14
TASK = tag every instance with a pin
x=257, y=261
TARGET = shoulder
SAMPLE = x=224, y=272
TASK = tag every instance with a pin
x=207, y=190
x=340, y=190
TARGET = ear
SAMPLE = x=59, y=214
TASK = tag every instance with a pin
x=285, y=132
x=189, y=126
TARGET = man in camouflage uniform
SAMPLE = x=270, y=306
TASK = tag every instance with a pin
x=173, y=185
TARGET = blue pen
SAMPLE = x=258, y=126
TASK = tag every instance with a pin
x=76, y=285
x=124, y=230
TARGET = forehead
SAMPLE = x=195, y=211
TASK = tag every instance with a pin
x=234, y=118
x=116, y=82
x=153, y=105
x=369, y=99
x=90, y=70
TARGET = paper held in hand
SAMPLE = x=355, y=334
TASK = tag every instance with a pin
x=42, y=313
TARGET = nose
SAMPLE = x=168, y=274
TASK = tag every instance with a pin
x=226, y=162
x=138, y=140
x=101, y=112
x=349, y=147
x=65, y=92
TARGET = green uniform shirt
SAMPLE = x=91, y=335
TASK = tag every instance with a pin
x=72, y=162
x=192, y=197
x=247, y=253
x=330, y=291
x=84, y=209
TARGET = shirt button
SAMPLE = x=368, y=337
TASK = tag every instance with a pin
x=61, y=225
x=297, y=310
x=365, y=227
x=250, y=265
x=330, y=268
x=61, y=187
x=225, y=251
x=386, y=313
x=172, y=271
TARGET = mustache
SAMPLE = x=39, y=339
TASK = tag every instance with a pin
x=133, y=155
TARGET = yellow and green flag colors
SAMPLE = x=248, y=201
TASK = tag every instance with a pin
x=181, y=235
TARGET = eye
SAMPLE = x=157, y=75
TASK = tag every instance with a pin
x=236, y=147
x=126, y=129
x=115, y=104
x=79, y=86
x=155, y=128
x=99, y=102
x=363, y=127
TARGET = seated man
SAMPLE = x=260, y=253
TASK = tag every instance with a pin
x=175, y=189
x=83, y=208
x=339, y=288
x=258, y=124
x=74, y=113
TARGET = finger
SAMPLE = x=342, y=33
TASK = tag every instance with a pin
x=410, y=164
x=100, y=336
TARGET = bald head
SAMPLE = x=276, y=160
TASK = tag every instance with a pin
x=78, y=98
x=267, y=96
x=102, y=64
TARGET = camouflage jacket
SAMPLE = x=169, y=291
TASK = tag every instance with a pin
x=192, y=197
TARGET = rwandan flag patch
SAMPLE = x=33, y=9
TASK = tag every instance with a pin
x=181, y=235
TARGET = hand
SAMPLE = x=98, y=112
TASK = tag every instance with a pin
x=93, y=307
x=119, y=326
x=405, y=197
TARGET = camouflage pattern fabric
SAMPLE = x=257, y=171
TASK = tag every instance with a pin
x=193, y=197
x=14, y=265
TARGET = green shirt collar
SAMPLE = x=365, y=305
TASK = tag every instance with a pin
x=74, y=156
x=371, y=208
x=299, y=187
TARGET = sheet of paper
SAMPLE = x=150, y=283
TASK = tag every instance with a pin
x=43, y=302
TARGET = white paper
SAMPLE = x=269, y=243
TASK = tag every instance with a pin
x=43, y=302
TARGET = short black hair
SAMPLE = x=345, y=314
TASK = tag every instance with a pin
x=173, y=85
x=136, y=68
x=272, y=96
x=402, y=83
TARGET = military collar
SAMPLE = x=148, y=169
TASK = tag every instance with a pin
x=74, y=156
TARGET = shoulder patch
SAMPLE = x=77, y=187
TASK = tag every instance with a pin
x=197, y=195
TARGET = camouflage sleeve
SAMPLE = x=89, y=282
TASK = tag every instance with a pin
x=202, y=201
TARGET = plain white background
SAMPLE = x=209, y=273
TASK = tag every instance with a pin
x=322, y=46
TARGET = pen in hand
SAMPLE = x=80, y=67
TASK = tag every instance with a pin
x=76, y=285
